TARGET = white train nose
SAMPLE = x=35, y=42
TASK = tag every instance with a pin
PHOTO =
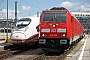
x=18, y=36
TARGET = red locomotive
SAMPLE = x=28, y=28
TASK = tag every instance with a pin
x=58, y=29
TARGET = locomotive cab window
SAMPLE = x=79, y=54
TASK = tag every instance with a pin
x=23, y=23
x=54, y=17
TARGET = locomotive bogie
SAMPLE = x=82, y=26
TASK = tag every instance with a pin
x=54, y=42
x=54, y=45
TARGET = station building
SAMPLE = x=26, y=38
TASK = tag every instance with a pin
x=3, y=27
x=84, y=18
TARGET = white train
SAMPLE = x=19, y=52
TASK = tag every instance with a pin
x=25, y=31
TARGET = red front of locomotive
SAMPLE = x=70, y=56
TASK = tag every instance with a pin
x=54, y=27
x=51, y=27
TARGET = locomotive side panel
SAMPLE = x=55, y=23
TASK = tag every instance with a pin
x=77, y=29
x=54, y=33
x=69, y=26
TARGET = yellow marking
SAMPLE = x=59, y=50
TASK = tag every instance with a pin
x=50, y=24
x=56, y=24
x=7, y=40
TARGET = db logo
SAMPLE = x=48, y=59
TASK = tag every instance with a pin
x=53, y=30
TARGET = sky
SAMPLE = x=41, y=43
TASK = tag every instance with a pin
x=31, y=7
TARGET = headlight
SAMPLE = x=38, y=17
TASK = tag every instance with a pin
x=44, y=35
x=54, y=25
x=62, y=35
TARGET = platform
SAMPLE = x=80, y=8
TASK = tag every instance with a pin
x=81, y=51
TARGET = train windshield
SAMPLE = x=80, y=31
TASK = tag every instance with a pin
x=23, y=23
x=54, y=17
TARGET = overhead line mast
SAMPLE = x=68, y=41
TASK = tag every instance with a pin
x=7, y=20
x=15, y=11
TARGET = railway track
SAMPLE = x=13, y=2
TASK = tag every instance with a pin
x=54, y=56
x=34, y=54
x=11, y=50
